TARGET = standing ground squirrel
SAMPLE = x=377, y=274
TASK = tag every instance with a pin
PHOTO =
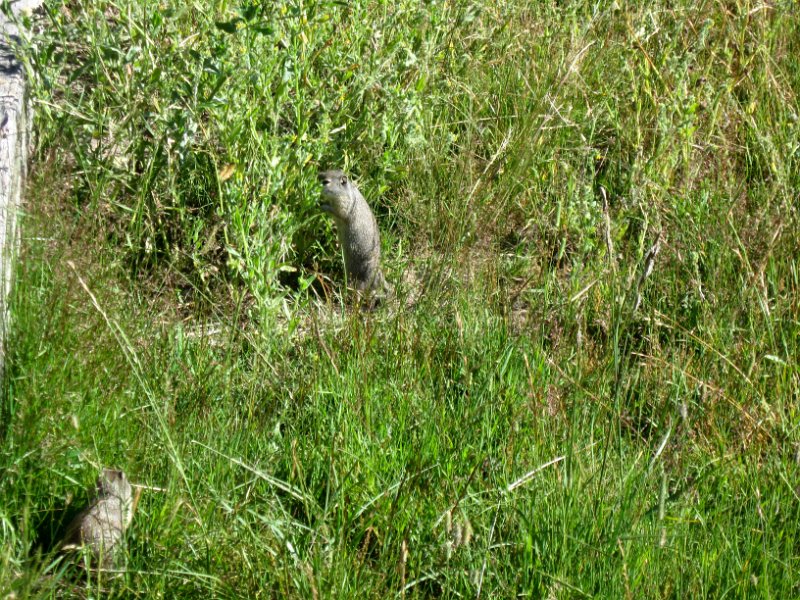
x=101, y=525
x=357, y=229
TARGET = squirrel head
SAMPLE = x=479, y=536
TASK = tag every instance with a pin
x=339, y=194
x=113, y=482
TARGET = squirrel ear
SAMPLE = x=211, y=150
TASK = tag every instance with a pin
x=111, y=475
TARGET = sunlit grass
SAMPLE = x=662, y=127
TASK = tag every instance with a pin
x=587, y=388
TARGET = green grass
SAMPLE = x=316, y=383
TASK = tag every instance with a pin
x=555, y=416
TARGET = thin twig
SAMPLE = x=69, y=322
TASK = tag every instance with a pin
x=529, y=475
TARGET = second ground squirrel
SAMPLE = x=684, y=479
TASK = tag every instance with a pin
x=357, y=230
x=101, y=525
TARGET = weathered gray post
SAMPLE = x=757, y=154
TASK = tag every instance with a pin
x=15, y=131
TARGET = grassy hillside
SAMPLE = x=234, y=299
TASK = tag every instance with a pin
x=589, y=384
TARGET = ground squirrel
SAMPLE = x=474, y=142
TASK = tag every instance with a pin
x=101, y=525
x=357, y=229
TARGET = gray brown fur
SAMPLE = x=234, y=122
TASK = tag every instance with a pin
x=357, y=230
x=100, y=527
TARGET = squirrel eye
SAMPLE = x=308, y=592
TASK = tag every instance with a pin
x=344, y=179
